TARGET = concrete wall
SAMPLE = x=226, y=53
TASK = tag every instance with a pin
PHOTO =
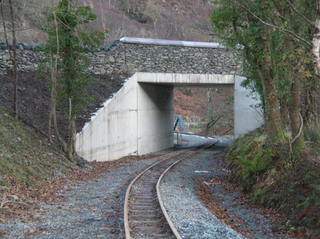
x=112, y=132
x=174, y=79
x=136, y=121
x=248, y=114
x=139, y=118
x=155, y=117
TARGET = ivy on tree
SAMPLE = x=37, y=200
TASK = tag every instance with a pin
x=277, y=39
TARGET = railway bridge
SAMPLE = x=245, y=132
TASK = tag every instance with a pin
x=138, y=119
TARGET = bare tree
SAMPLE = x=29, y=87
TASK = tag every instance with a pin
x=14, y=61
x=54, y=58
x=12, y=52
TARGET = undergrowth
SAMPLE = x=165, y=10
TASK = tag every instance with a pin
x=26, y=156
x=268, y=181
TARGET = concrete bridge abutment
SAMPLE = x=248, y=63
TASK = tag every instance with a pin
x=139, y=118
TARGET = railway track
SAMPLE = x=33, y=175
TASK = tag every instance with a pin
x=144, y=214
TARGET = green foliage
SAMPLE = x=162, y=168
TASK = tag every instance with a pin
x=69, y=40
x=259, y=195
x=312, y=133
x=229, y=100
x=293, y=191
x=250, y=158
x=277, y=63
x=257, y=163
x=234, y=21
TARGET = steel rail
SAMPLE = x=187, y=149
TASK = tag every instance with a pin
x=164, y=211
x=126, y=203
x=173, y=229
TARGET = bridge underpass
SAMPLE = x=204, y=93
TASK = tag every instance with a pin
x=138, y=119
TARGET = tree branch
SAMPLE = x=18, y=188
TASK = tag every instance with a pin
x=299, y=13
x=19, y=30
x=276, y=27
x=300, y=130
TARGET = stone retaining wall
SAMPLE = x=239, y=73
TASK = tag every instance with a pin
x=128, y=57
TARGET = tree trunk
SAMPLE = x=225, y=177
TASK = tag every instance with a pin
x=14, y=62
x=274, y=127
x=72, y=140
x=284, y=112
x=316, y=42
x=5, y=28
x=53, y=103
x=310, y=111
x=52, y=100
x=71, y=132
x=53, y=107
x=275, y=132
x=311, y=95
x=296, y=122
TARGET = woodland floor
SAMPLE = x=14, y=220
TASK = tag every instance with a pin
x=89, y=203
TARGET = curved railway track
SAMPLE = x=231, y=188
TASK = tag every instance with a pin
x=144, y=214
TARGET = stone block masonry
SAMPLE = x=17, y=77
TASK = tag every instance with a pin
x=125, y=56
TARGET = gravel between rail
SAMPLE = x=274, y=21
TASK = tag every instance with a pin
x=90, y=209
x=192, y=218
x=94, y=208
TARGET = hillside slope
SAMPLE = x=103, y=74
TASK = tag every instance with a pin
x=168, y=19
x=26, y=156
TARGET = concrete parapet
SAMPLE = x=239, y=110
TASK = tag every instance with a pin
x=185, y=79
